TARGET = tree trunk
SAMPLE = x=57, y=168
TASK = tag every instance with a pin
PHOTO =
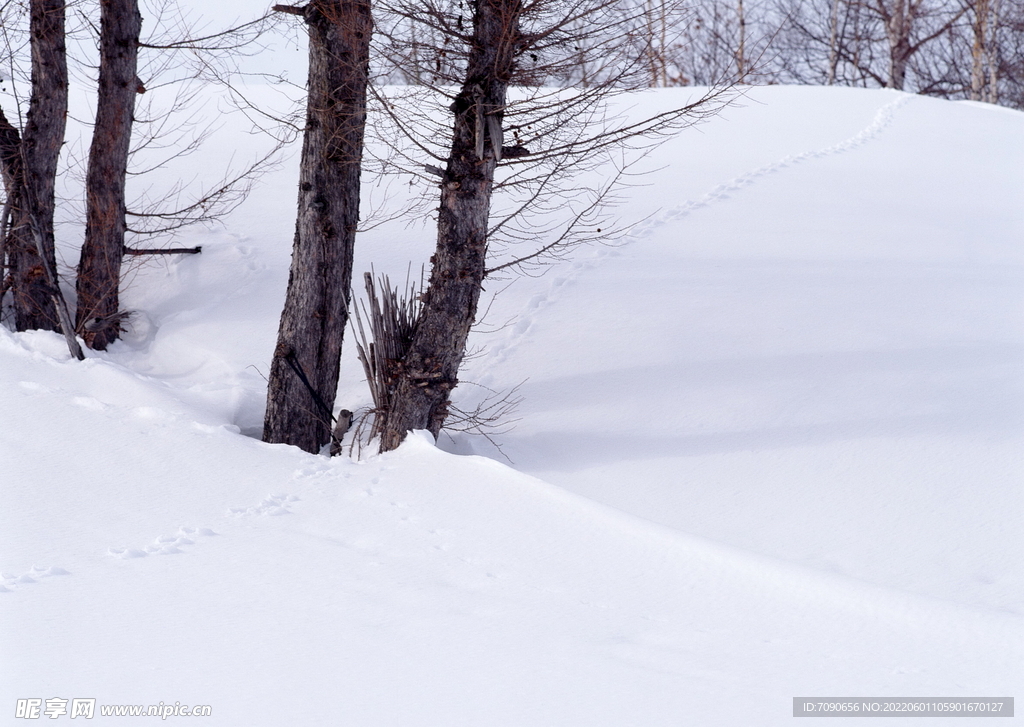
x=741, y=50
x=19, y=230
x=40, y=149
x=99, y=269
x=897, y=27
x=833, y=43
x=979, y=48
x=992, y=56
x=10, y=168
x=655, y=53
x=316, y=307
x=430, y=369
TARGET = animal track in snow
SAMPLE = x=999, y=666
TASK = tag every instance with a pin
x=35, y=387
x=13, y=581
x=882, y=119
x=163, y=545
x=271, y=505
x=89, y=402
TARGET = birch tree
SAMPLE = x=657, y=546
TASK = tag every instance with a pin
x=887, y=43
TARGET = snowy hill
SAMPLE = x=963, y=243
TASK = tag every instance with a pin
x=769, y=448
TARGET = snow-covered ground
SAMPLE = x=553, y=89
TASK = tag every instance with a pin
x=770, y=446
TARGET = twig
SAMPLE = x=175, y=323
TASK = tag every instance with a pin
x=164, y=251
x=291, y=9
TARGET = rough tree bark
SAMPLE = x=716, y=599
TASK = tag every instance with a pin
x=10, y=168
x=979, y=48
x=316, y=307
x=99, y=269
x=18, y=228
x=898, y=24
x=430, y=369
x=40, y=148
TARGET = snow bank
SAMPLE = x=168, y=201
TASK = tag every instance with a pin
x=777, y=437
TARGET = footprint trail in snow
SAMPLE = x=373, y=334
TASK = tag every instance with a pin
x=882, y=119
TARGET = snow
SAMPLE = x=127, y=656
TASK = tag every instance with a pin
x=769, y=447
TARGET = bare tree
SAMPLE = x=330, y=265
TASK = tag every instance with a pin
x=510, y=137
x=830, y=42
x=888, y=43
x=980, y=48
x=430, y=367
x=973, y=63
x=185, y=64
x=32, y=263
x=741, y=45
x=304, y=372
x=1007, y=74
x=899, y=17
x=99, y=268
x=181, y=66
x=833, y=43
x=10, y=167
x=719, y=41
x=19, y=200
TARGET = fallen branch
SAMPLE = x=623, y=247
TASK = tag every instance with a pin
x=58, y=298
x=164, y=251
